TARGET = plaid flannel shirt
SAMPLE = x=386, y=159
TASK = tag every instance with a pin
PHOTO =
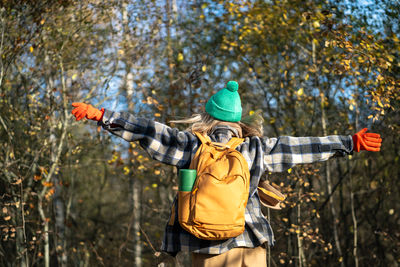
x=175, y=147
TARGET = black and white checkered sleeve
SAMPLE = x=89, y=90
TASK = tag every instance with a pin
x=284, y=152
x=163, y=143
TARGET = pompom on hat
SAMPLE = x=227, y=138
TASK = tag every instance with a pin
x=225, y=105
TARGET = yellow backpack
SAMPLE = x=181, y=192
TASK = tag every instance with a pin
x=215, y=208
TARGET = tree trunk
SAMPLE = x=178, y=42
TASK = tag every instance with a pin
x=135, y=183
x=59, y=213
x=353, y=212
x=302, y=259
x=171, y=92
x=335, y=218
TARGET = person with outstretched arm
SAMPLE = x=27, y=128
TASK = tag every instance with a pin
x=221, y=121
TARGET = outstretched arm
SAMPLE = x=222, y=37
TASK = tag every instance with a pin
x=284, y=152
x=162, y=142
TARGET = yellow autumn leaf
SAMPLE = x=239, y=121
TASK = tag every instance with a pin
x=289, y=170
x=204, y=68
x=154, y=185
x=251, y=112
x=300, y=92
x=157, y=172
x=31, y=49
x=351, y=107
x=43, y=170
x=74, y=77
x=180, y=57
x=380, y=103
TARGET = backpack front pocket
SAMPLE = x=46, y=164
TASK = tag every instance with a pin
x=219, y=202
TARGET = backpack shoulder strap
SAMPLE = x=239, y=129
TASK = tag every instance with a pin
x=234, y=142
x=203, y=138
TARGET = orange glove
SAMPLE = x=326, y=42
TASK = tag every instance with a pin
x=366, y=141
x=82, y=110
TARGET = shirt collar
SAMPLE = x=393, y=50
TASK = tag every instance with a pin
x=223, y=133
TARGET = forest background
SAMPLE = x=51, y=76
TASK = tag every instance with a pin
x=72, y=195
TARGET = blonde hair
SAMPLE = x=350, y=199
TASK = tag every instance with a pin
x=251, y=125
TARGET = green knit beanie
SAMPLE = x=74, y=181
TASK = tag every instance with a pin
x=225, y=105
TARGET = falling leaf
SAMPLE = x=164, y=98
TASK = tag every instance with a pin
x=289, y=170
x=31, y=49
x=204, y=68
x=7, y=218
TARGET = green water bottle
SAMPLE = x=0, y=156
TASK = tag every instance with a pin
x=186, y=179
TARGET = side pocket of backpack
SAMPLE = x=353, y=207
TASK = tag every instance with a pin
x=183, y=206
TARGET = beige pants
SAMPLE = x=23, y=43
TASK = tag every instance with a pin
x=236, y=257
